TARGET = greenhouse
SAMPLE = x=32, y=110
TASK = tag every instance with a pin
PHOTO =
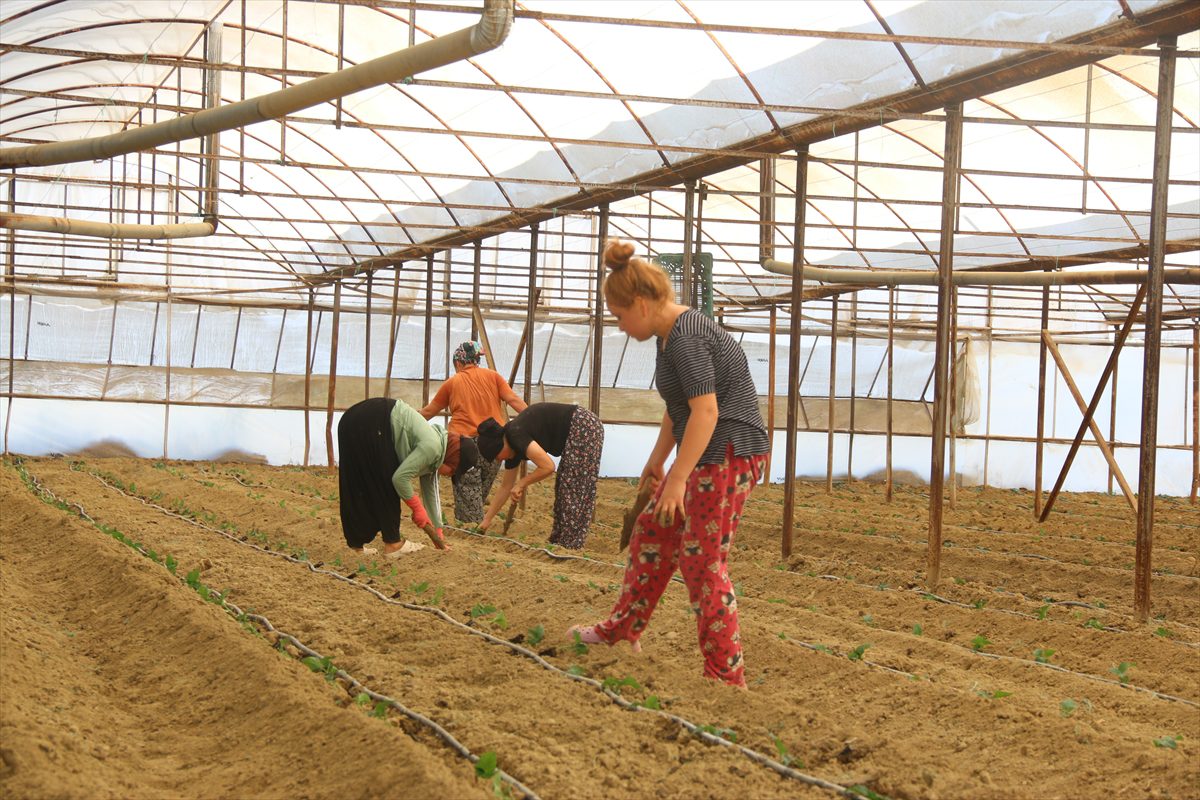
x=957, y=244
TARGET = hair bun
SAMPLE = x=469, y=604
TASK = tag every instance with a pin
x=617, y=254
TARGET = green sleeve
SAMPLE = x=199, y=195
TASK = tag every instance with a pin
x=431, y=497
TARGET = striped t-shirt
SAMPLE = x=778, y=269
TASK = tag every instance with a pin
x=701, y=358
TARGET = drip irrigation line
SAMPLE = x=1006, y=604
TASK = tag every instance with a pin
x=352, y=685
x=691, y=727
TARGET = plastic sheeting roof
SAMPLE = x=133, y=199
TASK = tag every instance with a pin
x=575, y=102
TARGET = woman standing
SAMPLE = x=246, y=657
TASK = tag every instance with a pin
x=540, y=431
x=382, y=445
x=713, y=420
x=472, y=394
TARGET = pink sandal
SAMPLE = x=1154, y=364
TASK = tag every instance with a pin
x=589, y=635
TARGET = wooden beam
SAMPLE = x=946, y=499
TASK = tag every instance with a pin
x=1052, y=348
x=794, y=374
x=333, y=354
x=598, y=314
x=1089, y=412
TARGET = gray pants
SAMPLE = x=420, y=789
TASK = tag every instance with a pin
x=471, y=490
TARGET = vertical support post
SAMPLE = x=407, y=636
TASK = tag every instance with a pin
x=689, y=212
x=987, y=425
x=167, y=393
x=1038, y=459
x=797, y=303
x=853, y=380
x=428, y=328
x=308, y=348
x=1112, y=412
x=890, y=372
x=529, y=309
x=333, y=354
x=952, y=157
x=953, y=410
x=367, y=343
x=475, y=290
x=1195, y=410
x=766, y=208
x=1153, y=335
x=598, y=315
x=833, y=335
x=10, y=270
x=393, y=331
x=771, y=391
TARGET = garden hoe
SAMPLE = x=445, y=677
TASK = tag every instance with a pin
x=634, y=511
x=508, y=518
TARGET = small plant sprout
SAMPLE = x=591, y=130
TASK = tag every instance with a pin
x=727, y=734
x=979, y=643
x=996, y=695
x=1042, y=655
x=1122, y=671
x=1168, y=742
x=652, y=702
x=578, y=646
x=535, y=635
x=616, y=684
x=857, y=653
x=917, y=629
x=1067, y=707
x=576, y=670
x=1042, y=611
x=1163, y=632
x=785, y=758
x=419, y=588
x=380, y=710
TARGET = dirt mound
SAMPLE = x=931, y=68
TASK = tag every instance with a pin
x=106, y=448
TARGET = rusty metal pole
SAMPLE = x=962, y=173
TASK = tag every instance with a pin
x=1153, y=324
x=833, y=332
x=952, y=158
x=393, y=329
x=308, y=348
x=1041, y=407
x=689, y=210
x=598, y=314
x=1195, y=410
x=797, y=303
x=367, y=338
x=529, y=311
x=953, y=411
x=890, y=363
x=771, y=389
x=333, y=354
x=475, y=291
x=428, y=328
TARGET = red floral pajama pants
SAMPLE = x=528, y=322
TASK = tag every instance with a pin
x=699, y=545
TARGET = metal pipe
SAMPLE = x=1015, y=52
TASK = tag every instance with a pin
x=912, y=277
x=598, y=314
x=487, y=34
x=1153, y=327
x=794, y=374
x=105, y=230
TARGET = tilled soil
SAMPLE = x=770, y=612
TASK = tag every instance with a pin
x=1024, y=674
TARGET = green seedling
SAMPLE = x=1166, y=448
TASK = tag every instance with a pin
x=820, y=648
x=535, y=635
x=652, y=702
x=480, y=610
x=1067, y=707
x=979, y=604
x=1042, y=655
x=616, y=684
x=996, y=695
x=1163, y=632
x=578, y=646
x=783, y=635
x=1122, y=671
x=380, y=710
x=171, y=564
x=576, y=670
x=486, y=765
x=1094, y=623
x=781, y=751
x=1168, y=742
x=561, y=578
x=419, y=588
x=1042, y=611
x=437, y=596
x=362, y=699
x=980, y=642
x=862, y=790
x=737, y=590
x=594, y=585
x=857, y=653
x=918, y=630
x=778, y=600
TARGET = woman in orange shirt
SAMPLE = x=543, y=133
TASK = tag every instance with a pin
x=473, y=394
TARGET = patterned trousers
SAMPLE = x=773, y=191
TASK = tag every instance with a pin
x=471, y=490
x=575, y=482
x=699, y=545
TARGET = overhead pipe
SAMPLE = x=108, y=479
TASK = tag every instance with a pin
x=912, y=277
x=487, y=34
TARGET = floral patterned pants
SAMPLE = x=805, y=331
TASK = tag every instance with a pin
x=699, y=545
x=471, y=490
x=575, y=482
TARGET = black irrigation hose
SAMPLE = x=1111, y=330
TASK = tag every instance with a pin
x=691, y=727
x=352, y=684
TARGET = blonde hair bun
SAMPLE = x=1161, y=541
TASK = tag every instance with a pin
x=617, y=254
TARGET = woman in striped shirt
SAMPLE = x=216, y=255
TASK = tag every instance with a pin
x=713, y=420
